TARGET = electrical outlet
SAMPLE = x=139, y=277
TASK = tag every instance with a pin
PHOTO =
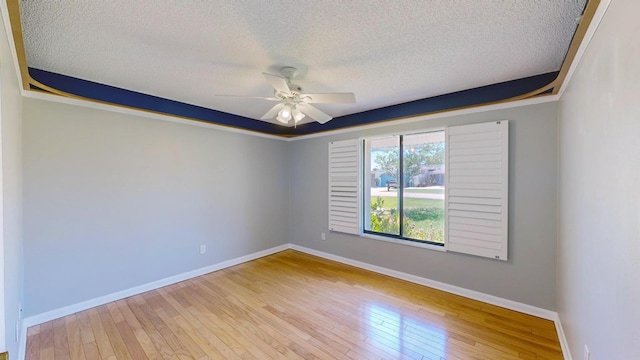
x=587, y=353
x=203, y=249
x=323, y=236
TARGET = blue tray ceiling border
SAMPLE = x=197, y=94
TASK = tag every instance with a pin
x=109, y=94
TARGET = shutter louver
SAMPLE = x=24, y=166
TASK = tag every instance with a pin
x=477, y=189
x=344, y=186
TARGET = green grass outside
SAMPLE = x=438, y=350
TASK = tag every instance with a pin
x=409, y=203
x=432, y=205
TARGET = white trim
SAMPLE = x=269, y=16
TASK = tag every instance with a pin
x=475, y=295
x=418, y=118
x=564, y=344
x=142, y=113
x=408, y=120
x=593, y=26
x=12, y=45
x=71, y=309
x=22, y=344
x=3, y=344
x=471, y=294
x=404, y=242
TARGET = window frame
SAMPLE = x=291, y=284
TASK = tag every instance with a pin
x=366, y=194
x=477, y=199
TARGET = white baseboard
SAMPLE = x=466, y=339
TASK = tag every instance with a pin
x=475, y=295
x=22, y=342
x=563, y=340
x=72, y=309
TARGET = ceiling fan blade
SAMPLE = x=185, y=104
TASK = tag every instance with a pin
x=279, y=83
x=273, y=112
x=249, y=97
x=332, y=98
x=314, y=113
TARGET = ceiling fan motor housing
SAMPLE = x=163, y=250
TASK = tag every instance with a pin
x=289, y=72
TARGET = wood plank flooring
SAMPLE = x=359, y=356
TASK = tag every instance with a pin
x=291, y=305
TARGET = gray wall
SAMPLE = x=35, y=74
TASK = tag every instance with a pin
x=599, y=238
x=114, y=201
x=10, y=103
x=530, y=274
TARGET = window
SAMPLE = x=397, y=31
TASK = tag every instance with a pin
x=446, y=188
x=404, y=186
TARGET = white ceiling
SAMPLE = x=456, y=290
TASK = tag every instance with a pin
x=386, y=52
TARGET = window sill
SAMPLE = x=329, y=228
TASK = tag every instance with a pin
x=404, y=242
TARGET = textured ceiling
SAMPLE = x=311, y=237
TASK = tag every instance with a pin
x=386, y=52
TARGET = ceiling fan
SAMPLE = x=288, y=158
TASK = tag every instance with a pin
x=295, y=105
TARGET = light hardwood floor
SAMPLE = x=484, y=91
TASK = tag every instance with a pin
x=291, y=305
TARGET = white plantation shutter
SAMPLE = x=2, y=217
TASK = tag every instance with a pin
x=477, y=189
x=344, y=186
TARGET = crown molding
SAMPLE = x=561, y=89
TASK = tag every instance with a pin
x=584, y=44
x=448, y=113
x=142, y=113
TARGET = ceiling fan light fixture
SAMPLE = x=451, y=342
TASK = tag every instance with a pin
x=297, y=115
x=284, y=115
